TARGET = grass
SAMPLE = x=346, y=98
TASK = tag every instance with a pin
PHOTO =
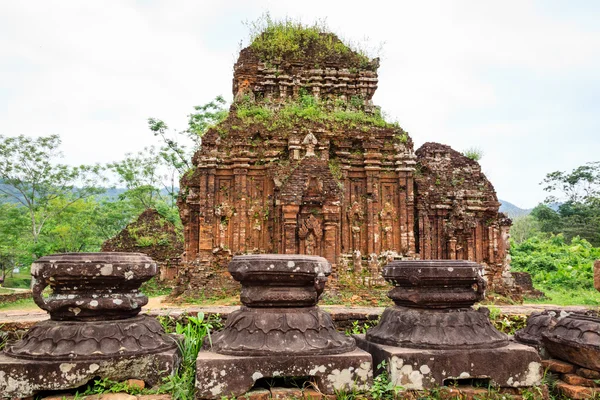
x=272, y=40
x=6, y=291
x=22, y=304
x=567, y=297
x=306, y=108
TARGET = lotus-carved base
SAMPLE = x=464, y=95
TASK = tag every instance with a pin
x=576, y=339
x=98, y=340
x=285, y=331
x=462, y=328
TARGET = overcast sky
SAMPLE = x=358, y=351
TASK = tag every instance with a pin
x=518, y=79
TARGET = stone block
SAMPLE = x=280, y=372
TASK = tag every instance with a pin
x=23, y=377
x=280, y=393
x=219, y=375
x=577, y=380
x=513, y=365
x=558, y=366
x=575, y=392
x=258, y=394
x=588, y=373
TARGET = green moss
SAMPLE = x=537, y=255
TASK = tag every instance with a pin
x=272, y=40
x=306, y=108
x=335, y=169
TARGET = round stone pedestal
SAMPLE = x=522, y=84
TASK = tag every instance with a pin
x=280, y=332
x=94, y=328
x=432, y=335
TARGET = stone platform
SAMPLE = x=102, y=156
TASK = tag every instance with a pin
x=331, y=373
x=22, y=378
x=514, y=365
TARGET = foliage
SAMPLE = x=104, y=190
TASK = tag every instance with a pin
x=181, y=385
x=272, y=40
x=556, y=262
x=31, y=176
x=154, y=287
x=473, y=153
x=578, y=193
x=506, y=323
x=383, y=387
x=306, y=108
x=524, y=228
x=174, y=153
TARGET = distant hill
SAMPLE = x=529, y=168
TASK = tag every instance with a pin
x=511, y=210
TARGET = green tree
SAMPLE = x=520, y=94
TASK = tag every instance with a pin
x=578, y=192
x=15, y=237
x=523, y=228
x=31, y=176
x=140, y=174
x=174, y=152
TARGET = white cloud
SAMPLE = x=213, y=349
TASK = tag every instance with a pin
x=93, y=72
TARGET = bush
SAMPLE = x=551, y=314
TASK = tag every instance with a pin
x=20, y=283
x=557, y=263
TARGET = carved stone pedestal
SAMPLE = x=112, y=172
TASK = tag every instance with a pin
x=432, y=336
x=280, y=332
x=94, y=330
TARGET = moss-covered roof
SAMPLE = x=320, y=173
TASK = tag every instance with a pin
x=291, y=40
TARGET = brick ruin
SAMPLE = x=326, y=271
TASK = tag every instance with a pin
x=153, y=235
x=341, y=183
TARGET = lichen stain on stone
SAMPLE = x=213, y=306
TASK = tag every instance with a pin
x=320, y=368
x=533, y=376
x=256, y=376
x=106, y=269
x=341, y=379
x=406, y=376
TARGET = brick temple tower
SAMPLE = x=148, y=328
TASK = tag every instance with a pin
x=305, y=163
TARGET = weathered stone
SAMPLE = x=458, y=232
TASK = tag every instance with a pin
x=135, y=383
x=524, y=283
x=220, y=375
x=432, y=311
x=357, y=194
x=258, y=394
x=588, y=373
x=576, y=339
x=577, y=380
x=575, y=392
x=279, y=316
x=94, y=330
x=279, y=332
x=80, y=340
x=537, y=323
x=558, y=366
x=432, y=335
x=286, y=393
x=514, y=365
x=92, y=286
x=22, y=377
